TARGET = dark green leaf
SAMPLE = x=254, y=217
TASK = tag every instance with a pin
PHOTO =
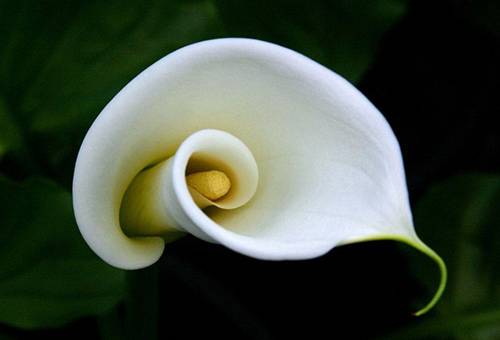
x=460, y=219
x=102, y=48
x=48, y=276
x=341, y=34
x=141, y=310
x=10, y=138
x=62, y=61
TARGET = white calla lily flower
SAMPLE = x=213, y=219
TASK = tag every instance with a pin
x=284, y=160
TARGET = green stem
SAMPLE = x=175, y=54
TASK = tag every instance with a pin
x=141, y=304
x=110, y=325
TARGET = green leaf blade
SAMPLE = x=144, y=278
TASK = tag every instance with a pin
x=48, y=276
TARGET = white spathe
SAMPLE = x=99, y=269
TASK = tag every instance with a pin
x=330, y=170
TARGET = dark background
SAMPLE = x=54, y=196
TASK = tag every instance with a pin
x=435, y=76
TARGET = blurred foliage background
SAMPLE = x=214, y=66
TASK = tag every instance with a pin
x=432, y=68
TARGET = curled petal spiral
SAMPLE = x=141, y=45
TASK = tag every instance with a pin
x=246, y=144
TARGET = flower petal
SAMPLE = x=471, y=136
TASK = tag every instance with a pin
x=330, y=167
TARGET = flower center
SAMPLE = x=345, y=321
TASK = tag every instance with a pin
x=210, y=168
x=212, y=184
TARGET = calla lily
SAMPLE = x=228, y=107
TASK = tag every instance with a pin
x=284, y=160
